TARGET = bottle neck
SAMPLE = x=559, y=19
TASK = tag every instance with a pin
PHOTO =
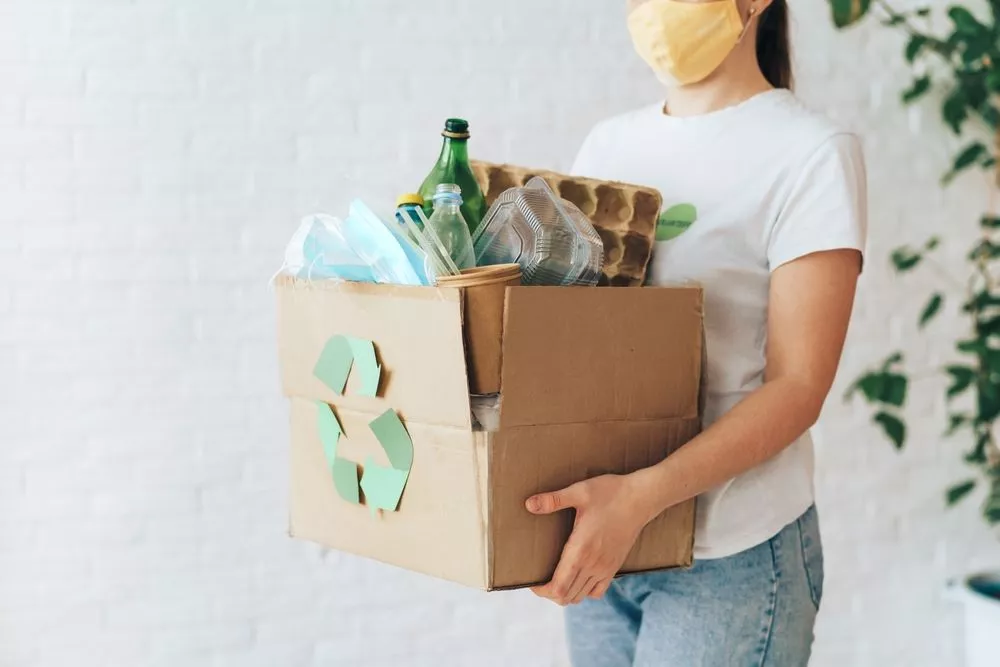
x=453, y=151
x=447, y=204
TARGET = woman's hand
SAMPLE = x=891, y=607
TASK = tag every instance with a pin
x=609, y=518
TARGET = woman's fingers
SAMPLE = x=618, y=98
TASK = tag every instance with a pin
x=566, y=586
x=585, y=589
x=599, y=589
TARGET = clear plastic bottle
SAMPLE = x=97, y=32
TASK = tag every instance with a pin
x=450, y=227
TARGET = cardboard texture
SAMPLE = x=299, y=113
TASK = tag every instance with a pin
x=483, y=305
x=418, y=328
x=575, y=354
x=593, y=381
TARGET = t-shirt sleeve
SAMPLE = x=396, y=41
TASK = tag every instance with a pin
x=827, y=208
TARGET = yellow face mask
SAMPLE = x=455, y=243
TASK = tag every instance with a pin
x=684, y=42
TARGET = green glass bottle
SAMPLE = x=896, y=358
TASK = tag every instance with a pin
x=453, y=167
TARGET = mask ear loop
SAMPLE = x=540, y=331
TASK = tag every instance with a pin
x=270, y=283
x=746, y=24
x=309, y=279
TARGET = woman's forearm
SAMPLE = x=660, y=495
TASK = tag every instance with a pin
x=759, y=427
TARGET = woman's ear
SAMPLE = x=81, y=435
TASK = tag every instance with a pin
x=753, y=8
x=757, y=7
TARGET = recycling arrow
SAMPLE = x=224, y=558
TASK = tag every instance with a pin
x=383, y=485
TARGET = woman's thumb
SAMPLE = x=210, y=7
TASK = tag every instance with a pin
x=547, y=503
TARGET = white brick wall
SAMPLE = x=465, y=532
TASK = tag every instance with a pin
x=155, y=155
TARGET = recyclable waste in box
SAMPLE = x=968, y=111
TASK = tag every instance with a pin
x=385, y=462
x=387, y=459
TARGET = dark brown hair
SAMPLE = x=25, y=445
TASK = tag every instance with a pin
x=774, y=51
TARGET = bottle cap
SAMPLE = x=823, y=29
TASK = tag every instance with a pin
x=411, y=198
x=456, y=128
x=448, y=191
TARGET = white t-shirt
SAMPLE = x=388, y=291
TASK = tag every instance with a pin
x=764, y=182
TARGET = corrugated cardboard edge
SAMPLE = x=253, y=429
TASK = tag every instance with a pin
x=480, y=452
x=488, y=490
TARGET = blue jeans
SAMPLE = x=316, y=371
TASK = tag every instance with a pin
x=755, y=608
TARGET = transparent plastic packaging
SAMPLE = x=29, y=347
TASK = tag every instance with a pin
x=485, y=411
x=377, y=244
x=440, y=262
x=550, y=238
x=319, y=251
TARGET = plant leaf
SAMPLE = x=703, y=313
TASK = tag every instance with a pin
x=846, y=12
x=932, y=243
x=895, y=390
x=989, y=327
x=931, y=309
x=961, y=379
x=894, y=428
x=955, y=422
x=965, y=22
x=914, y=46
x=977, y=46
x=990, y=115
x=954, y=111
x=981, y=300
x=905, y=258
x=978, y=453
x=919, y=86
x=881, y=387
x=972, y=346
x=993, y=80
x=989, y=222
x=891, y=360
x=984, y=250
x=959, y=491
x=988, y=400
x=991, y=508
x=966, y=158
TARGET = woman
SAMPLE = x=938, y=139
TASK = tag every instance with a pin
x=777, y=197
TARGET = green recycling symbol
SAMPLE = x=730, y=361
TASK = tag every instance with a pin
x=382, y=485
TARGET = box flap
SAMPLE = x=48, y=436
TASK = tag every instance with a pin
x=417, y=333
x=525, y=548
x=439, y=527
x=585, y=354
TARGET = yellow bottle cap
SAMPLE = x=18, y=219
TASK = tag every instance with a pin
x=412, y=198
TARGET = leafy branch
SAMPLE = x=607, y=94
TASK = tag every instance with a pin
x=968, y=78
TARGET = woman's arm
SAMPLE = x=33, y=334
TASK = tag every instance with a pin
x=810, y=305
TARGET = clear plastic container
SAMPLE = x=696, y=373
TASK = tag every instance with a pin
x=550, y=238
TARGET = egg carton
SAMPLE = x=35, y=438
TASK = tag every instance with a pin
x=624, y=215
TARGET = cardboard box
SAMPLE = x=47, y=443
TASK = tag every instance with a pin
x=594, y=380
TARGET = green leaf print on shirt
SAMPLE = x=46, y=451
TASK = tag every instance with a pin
x=675, y=220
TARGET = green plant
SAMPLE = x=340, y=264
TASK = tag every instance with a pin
x=963, y=65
